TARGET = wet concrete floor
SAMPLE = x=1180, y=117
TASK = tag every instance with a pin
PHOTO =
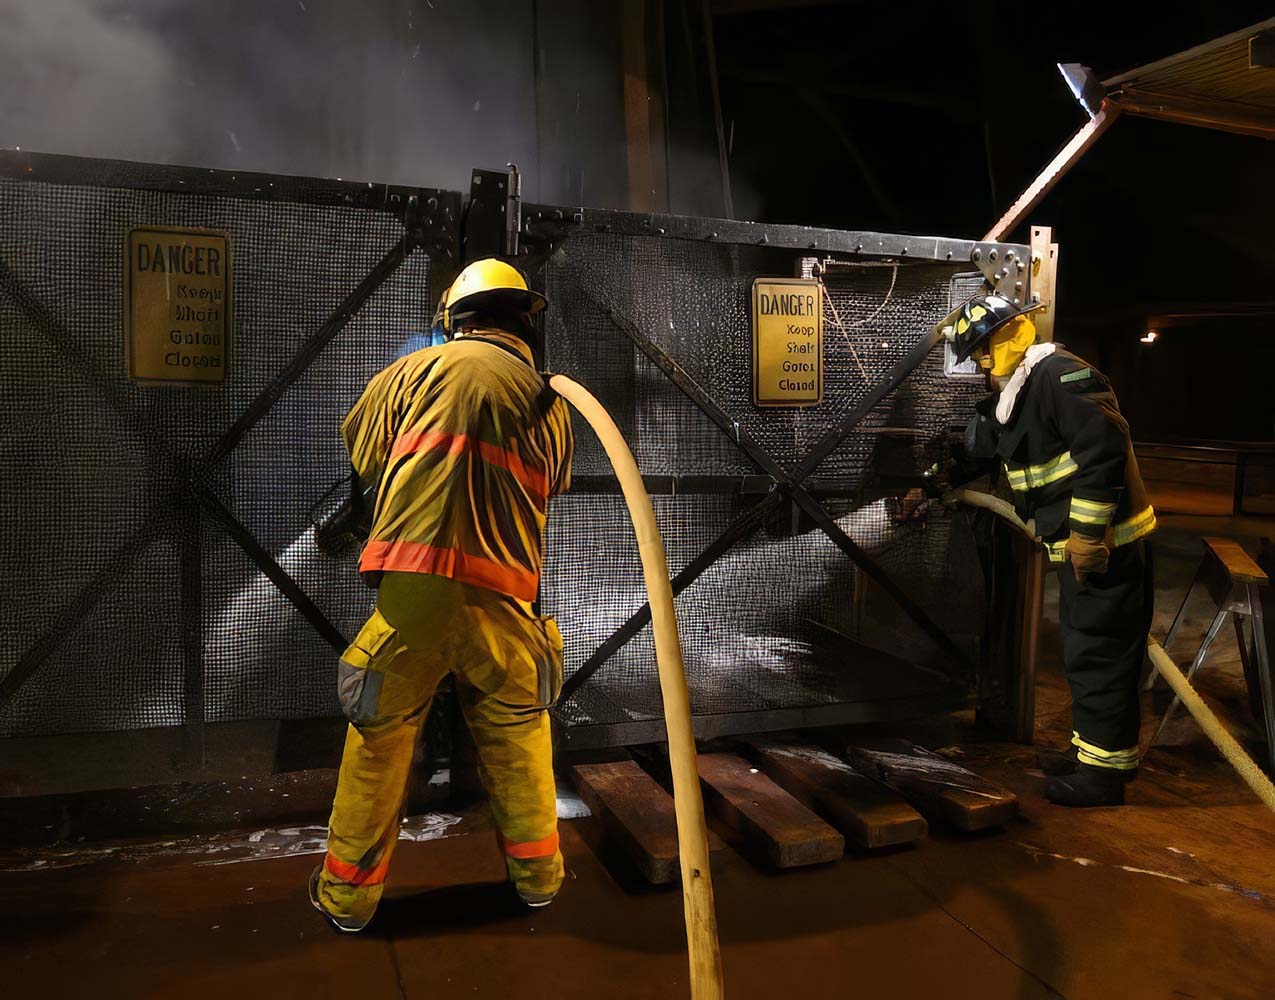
x=1172, y=895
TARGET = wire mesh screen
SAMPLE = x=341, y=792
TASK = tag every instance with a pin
x=97, y=495
x=783, y=619
x=128, y=607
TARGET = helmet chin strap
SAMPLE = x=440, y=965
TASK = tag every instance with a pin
x=984, y=361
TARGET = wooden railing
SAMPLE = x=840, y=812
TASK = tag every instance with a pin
x=1213, y=477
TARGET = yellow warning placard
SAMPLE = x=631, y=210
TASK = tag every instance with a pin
x=787, y=342
x=177, y=304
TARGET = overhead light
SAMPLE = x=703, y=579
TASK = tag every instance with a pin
x=1150, y=337
x=884, y=344
x=1084, y=86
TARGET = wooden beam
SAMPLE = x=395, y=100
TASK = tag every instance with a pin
x=723, y=154
x=1187, y=55
x=637, y=112
x=1184, y=110
x=637, y=814
x=766, y=817
x=868, y=813
x=1063, y=161
x=938, y=788
x=1044, y=272
x=1238, y=563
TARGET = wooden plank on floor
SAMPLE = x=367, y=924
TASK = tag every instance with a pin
x=939, y=788
x=637, y=814
x=766, y=817
x=867, y=812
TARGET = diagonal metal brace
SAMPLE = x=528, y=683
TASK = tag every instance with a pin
x=681, y=378
x=874, y=572
x=741, y=527
x=302, y=360
x=56, y=334
x=88, y=597
x=829, y=443
x=266, y=563
x=747, y=522
x=81, y=606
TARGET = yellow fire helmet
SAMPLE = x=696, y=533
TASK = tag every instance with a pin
x=441, y=319
x=490, y=280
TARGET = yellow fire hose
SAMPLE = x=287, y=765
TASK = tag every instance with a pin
x=1226, y=744
x=688, y=803
x=1213, y=729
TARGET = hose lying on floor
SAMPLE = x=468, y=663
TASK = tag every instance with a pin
x=1226, y=744
x=688, y=802
x=1213, y=728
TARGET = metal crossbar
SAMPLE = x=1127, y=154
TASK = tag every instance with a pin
x=783, y=485
x=98, y=586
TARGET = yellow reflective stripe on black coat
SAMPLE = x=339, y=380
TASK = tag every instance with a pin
x=1138, y=526
x=1091, y=511
x=1029, y=477
x=1067, y=454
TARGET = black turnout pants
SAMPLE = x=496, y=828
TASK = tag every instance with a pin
x=1104, y=624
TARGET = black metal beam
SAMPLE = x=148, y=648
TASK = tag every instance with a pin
x=52, y=168
x=850, y=243
x=785, y=485
x=82, y=605
x=743, y=485
x=748, y=486
x=874, y=572
x=276, y=573
x=827, y=444
x=192, y=628
x=741, y=527
x=591, y=736
x=302, y=360
x=83, y=171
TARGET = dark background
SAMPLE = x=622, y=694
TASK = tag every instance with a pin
x=941, y=114
x=910, y=117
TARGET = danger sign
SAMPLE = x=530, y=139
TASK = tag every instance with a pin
x=787, y=342
x=177, y=305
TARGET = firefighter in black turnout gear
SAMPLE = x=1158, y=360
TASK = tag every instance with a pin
x=1055, y=426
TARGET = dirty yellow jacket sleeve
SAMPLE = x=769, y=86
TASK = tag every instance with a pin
x=369, y=428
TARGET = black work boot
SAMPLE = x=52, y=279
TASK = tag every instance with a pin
x=1089, y=786
x=1057, y=762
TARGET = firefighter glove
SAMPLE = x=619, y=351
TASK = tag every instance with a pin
x=1088, y=555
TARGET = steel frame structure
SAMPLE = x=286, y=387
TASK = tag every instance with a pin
x=447, y=227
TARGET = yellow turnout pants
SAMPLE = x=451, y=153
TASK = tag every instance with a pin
x=508, y=668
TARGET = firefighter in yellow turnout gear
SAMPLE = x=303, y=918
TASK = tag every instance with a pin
x=1056, y=428
x=463, y=444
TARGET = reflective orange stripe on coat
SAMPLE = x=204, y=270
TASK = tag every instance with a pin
x=465, y=445
x=535, y=482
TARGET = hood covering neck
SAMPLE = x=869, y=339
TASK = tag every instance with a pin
x=1009, y=395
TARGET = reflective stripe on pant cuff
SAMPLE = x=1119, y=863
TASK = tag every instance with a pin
x=352, y=874
x=1096, y=756
x=524, y=850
